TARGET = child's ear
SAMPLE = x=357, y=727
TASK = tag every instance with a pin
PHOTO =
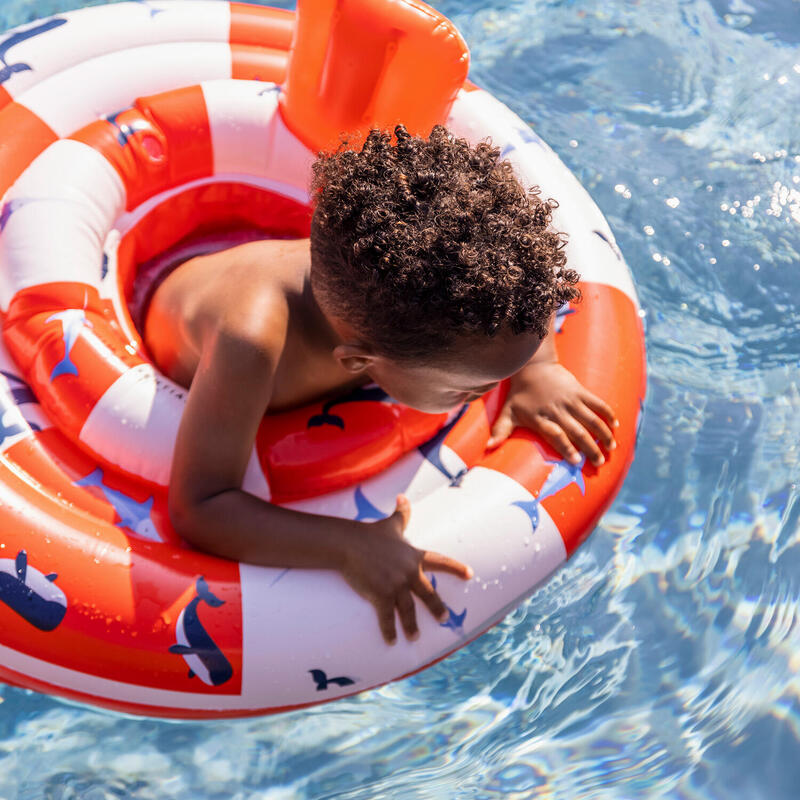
x=353, y=357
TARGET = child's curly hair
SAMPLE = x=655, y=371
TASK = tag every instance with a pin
x=417, y=243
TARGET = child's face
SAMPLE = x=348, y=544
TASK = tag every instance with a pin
x=469, y=369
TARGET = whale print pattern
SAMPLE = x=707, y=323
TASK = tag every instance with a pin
x=12, y=419
x=364, y=509
x=526, y=136
x=125, y=131
x=323, y=681
x=153, y=11
x=455, y=622
x=33, y=596
x=133, y=514
x=6, y=69
x=72, y=323
x=432, y=450
x=206, y=661
x=361, y=395
x=562, y=475
x=562, y=313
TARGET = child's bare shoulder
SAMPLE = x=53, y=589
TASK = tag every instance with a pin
x=240, y=294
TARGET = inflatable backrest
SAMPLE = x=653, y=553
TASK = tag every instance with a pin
x=357, y=64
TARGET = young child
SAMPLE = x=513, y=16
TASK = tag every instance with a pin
x=430, y=271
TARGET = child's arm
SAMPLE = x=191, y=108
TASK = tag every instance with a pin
x=546, y=397
x=228, y=397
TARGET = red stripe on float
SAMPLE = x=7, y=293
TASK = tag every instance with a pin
x=37, y=342
x=163, y=141
x=300, y=460
x=606, y=354
x=409, y=63
x=5, y=98
x=602, y=344
x=251, y=63
x=23, y=136
x=261, y=26
x=118, y=596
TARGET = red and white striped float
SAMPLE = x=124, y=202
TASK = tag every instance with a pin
x=124, y=130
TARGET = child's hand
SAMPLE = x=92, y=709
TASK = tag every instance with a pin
x=547, y=398
x=385, y=569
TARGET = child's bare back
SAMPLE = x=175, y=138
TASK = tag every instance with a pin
x=261, y=290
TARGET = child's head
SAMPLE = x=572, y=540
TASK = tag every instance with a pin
x=437, y=268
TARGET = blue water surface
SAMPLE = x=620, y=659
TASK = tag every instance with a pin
x=663, y=660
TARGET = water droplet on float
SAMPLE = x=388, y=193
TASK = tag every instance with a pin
x=526, y=541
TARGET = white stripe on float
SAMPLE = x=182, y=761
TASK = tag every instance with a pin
x=129, y=219
x=98, y=687
x=109, y=289
x=476, y=115
x=135, y=422
x=62, y=207
x=242, y=113
x=295, y=620
x=69, y=100
x=254, y=481
x=92, y=32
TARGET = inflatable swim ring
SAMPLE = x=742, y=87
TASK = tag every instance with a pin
x=125, y=131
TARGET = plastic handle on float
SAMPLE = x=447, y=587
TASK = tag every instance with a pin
x=360, y=64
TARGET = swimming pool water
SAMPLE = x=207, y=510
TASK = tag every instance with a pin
x=663, y=660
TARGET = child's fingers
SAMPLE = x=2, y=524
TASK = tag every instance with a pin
x=425, y=591
x=589, y=419
x=436, y=561
x=557, y=437
x=502, y=428
x=582, y=439
x=402, y=512
x=408, y=614
x=601, y=408
x=386, y=621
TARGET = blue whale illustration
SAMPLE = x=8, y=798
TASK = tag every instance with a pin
x=11, y=420
x=153, y=11
x=526, y=135
x=34, y=596
x=455, y=622
x=562, y=313
x=72, y=322
x=7, y=70
x=124, y=130
x=10, y=207
x=323, y=681
x=365, y=509
x=362, y=394
x=132, y=513
x=205, y=659
x=610, y=243
x=561, y=476
x=432, y=450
